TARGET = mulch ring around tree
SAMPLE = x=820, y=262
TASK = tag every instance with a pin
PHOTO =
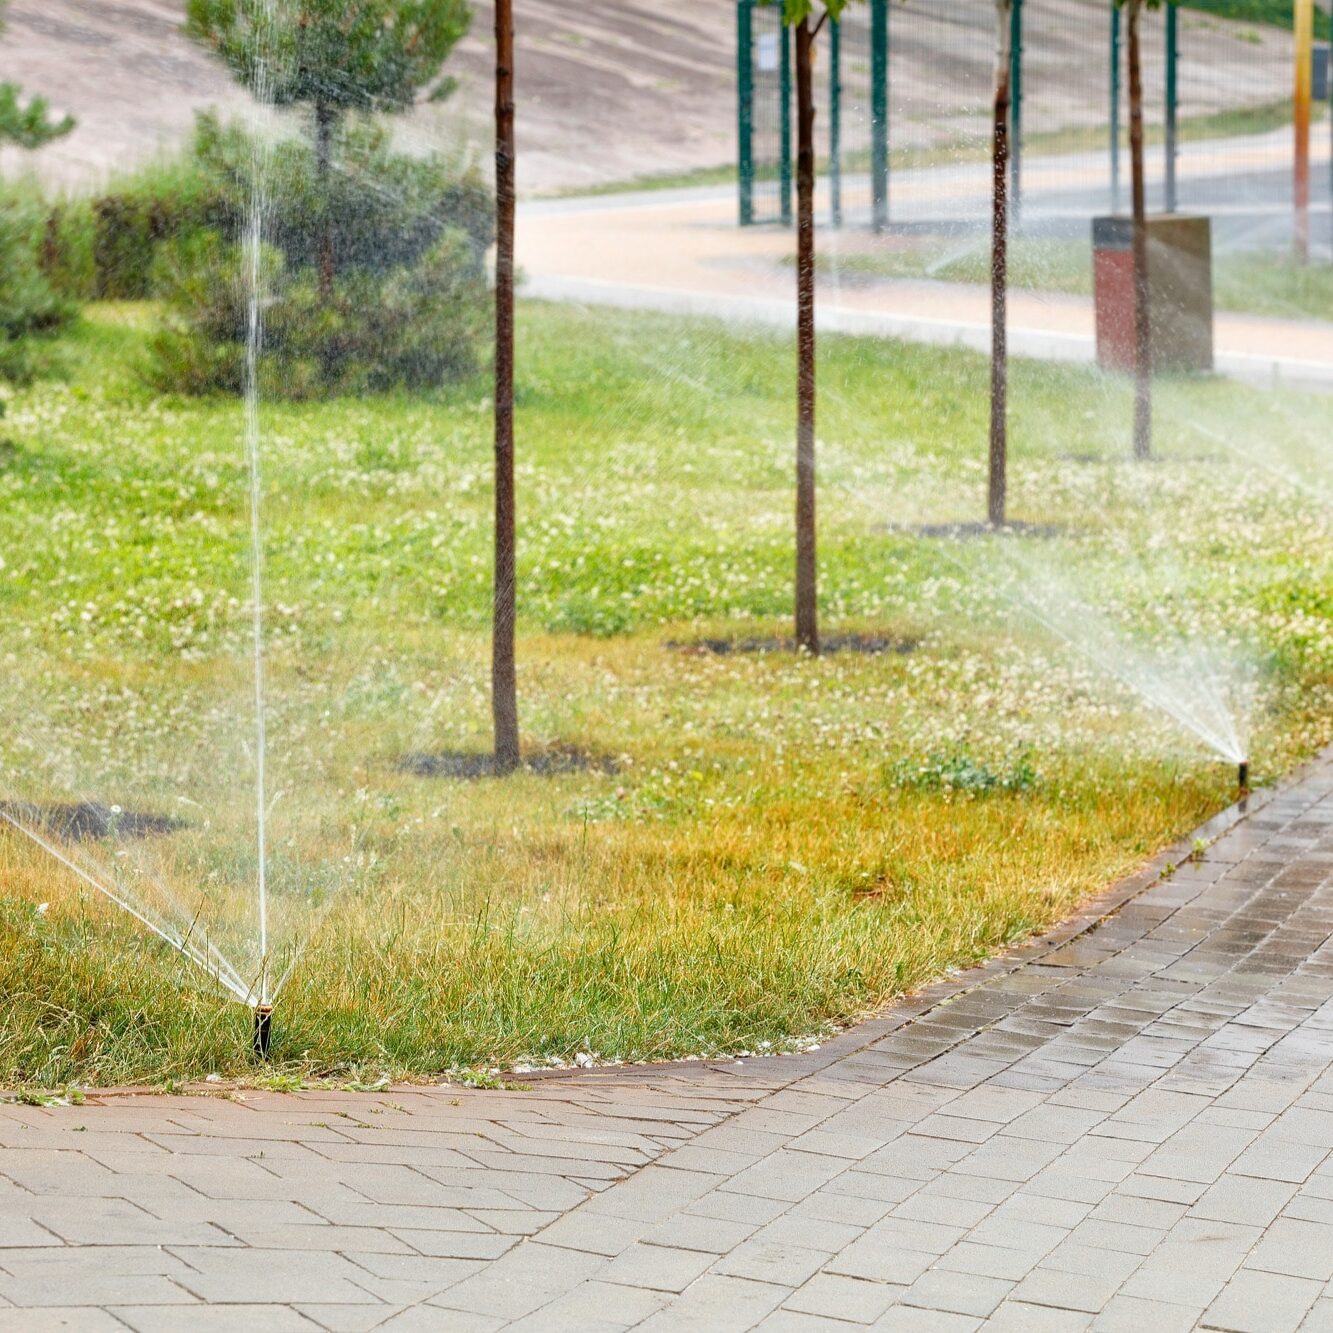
x=870, y=645
x=85, y=821
x=966, y=531
x=469, y=764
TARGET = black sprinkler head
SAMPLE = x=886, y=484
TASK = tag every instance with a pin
x=262, y=1038
x=1243, y=776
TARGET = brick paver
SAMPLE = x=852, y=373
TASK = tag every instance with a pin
x=1127, y=1123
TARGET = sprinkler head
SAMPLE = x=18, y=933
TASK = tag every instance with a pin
x=262, y=1037
x=1243, y=776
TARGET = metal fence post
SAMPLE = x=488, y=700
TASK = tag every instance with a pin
x=1303, y=35
x=1115, y=108
x=835, y=122
x=784, y=96
x=1016, y=111
x=745, y=108
x=1172, y=96
x=879, y=113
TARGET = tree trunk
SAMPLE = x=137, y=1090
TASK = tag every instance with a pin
x=325, y=120
x=807, y=602
x=1142, y=314
x=999, y=271
x=504, y=684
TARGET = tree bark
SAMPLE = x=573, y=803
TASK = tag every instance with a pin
x=504, y=684
x=325, y=120
x=807, y=601
x=1142, y=312
x=999, y=272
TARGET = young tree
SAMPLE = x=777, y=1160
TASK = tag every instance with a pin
x=335, y=57
x=27, y=124
x=999, y=268
x=798, y=14
x=504, y=685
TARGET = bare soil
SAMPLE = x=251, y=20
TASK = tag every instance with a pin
x=871, y=645
x=86, y=821
x=470, y=764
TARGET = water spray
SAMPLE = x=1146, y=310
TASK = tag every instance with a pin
x=262, y=1038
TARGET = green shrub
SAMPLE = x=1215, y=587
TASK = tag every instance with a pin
x=414, y=327
x=408, y=298
x=154, y=208
x=386, y=210
x=66, y=250
x=29, y=305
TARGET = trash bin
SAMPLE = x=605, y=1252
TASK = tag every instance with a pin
x=1180, y=291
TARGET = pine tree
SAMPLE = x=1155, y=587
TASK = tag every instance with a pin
x=334, y=57
x=27, y=124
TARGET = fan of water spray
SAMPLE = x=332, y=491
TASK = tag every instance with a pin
x=183, y=750
x=1191, y=681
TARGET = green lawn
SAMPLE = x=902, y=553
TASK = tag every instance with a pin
x=1247, y=283
x=784, y=844
x=1277, y=13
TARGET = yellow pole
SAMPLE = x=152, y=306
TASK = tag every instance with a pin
x=1304, y=44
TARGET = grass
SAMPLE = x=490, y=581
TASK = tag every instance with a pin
x=1246, y=282
x=1274, y=13
x=1255, y=119
x=785, y=844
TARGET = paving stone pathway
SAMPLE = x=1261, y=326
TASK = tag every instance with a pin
x=1127, y=1123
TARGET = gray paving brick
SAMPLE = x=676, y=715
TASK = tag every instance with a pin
x=1255, y=1302
x=1298, y=1249
x=62, y=1318
x=1245, y=1199
x=717, y=1303
x=215, y=1319
x=957, y=1293
x=831, y=1296
x=913, y=1319
x=1134, y=1314
x=1088, y=1292
x=1019, y=1317
x=594, y=1304
x=522, y=1281
x=656, y=1267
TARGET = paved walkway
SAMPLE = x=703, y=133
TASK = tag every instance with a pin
x=682, y=252
x=1127, y=1123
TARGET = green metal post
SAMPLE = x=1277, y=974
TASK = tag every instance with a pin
x=784, y=95
x=1172, y=96
x=879, y=113
x=1016, y=111
x=835, y=122
x=1115, y=108
x=745, y=107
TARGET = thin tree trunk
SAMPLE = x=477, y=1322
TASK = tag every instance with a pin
x=999, y=272
x=1142, y=313
x=807, y=601
x=325, y=119
x=504, y=684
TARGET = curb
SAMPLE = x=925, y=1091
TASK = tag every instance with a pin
x=907, y=1009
